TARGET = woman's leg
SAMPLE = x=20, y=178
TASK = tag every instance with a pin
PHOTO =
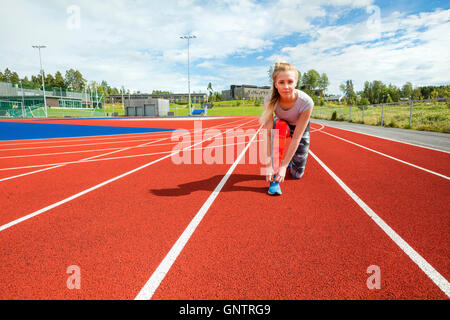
x=283, y=133
x=298, y=162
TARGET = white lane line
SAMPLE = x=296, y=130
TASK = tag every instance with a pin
x=56, y=153
x=123, y=157
x=110, y=136
x=390, y=139
x=428, y=269
x=168, y=134
x=82, y=160
x=58, y=165
x=317, y=129
x=86, y=138
x=390, y=157
x=76, y=145
x=99, y=137
x=54, y=205
x=161, y=271
x=106, y=149
x=140, y=146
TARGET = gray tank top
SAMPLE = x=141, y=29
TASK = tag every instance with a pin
x=303, y=103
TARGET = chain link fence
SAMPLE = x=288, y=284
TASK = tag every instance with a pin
x=429, y=115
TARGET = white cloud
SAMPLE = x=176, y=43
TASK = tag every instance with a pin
x=137, y=43
x=353, y=52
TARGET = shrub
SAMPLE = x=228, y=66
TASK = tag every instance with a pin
x=392, y=124
x=334, y=115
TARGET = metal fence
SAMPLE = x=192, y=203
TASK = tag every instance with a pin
x=430, y=114
x=19, y=101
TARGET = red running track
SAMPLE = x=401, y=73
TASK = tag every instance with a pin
x=313, y=242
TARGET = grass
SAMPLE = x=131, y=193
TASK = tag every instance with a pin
x=220, y=110
x=430, y=116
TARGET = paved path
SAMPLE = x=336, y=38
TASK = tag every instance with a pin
x=435, y=140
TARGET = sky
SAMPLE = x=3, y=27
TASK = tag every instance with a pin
x=137, y=44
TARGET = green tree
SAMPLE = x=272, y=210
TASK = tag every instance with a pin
x=379, y=91
x=79, y=81
x=74, y=80
x=394, y=93
x=15, y=77
x=310, y=80
x=407, y=90
x=103, y=89
x=210, y=89
x=323, y=83
x=299, y=81
x=69, y=79
x=417, y=94
x=434, y=94
x=349, y=92
x=363, y=102
x=49, y=80
x=26, y=82
x=36, y=80
x=59, y=80
x=444, y=91
x=158, y=92
x=7, y=75
x=2, y=77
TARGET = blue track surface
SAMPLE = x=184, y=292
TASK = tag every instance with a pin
x=25, y=131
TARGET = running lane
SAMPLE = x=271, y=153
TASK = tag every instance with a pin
x=26, y=194
x=413, y=202
x=114, y=234
x=429, y=159
x=313, y=242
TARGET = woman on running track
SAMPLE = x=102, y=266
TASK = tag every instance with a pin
x=292, y=109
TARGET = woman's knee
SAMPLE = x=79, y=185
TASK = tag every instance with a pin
x=297, y=174
x=282, y=126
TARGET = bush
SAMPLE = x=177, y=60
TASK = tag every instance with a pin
x=334, y=116
x=392, y=124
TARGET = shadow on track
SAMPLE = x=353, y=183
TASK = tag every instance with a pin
x=211, y=183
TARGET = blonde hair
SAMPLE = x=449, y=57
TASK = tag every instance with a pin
x=270, y=107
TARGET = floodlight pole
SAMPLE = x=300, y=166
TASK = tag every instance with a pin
x=42, y=75
x=23, y=100
x=189, y=79
x=96, y=97
x=123, y=102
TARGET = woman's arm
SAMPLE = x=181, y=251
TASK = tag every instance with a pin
x=300, y=127
x=268, y=168
x=268, y=136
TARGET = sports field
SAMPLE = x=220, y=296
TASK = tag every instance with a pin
x=105, y=209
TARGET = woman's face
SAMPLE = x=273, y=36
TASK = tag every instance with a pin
x=285, y=82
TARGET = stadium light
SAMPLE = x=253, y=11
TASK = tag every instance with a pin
x=42, y=75
x=189, y=80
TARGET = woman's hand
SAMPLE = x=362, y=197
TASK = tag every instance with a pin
x=281, y=174
x=269, y=174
